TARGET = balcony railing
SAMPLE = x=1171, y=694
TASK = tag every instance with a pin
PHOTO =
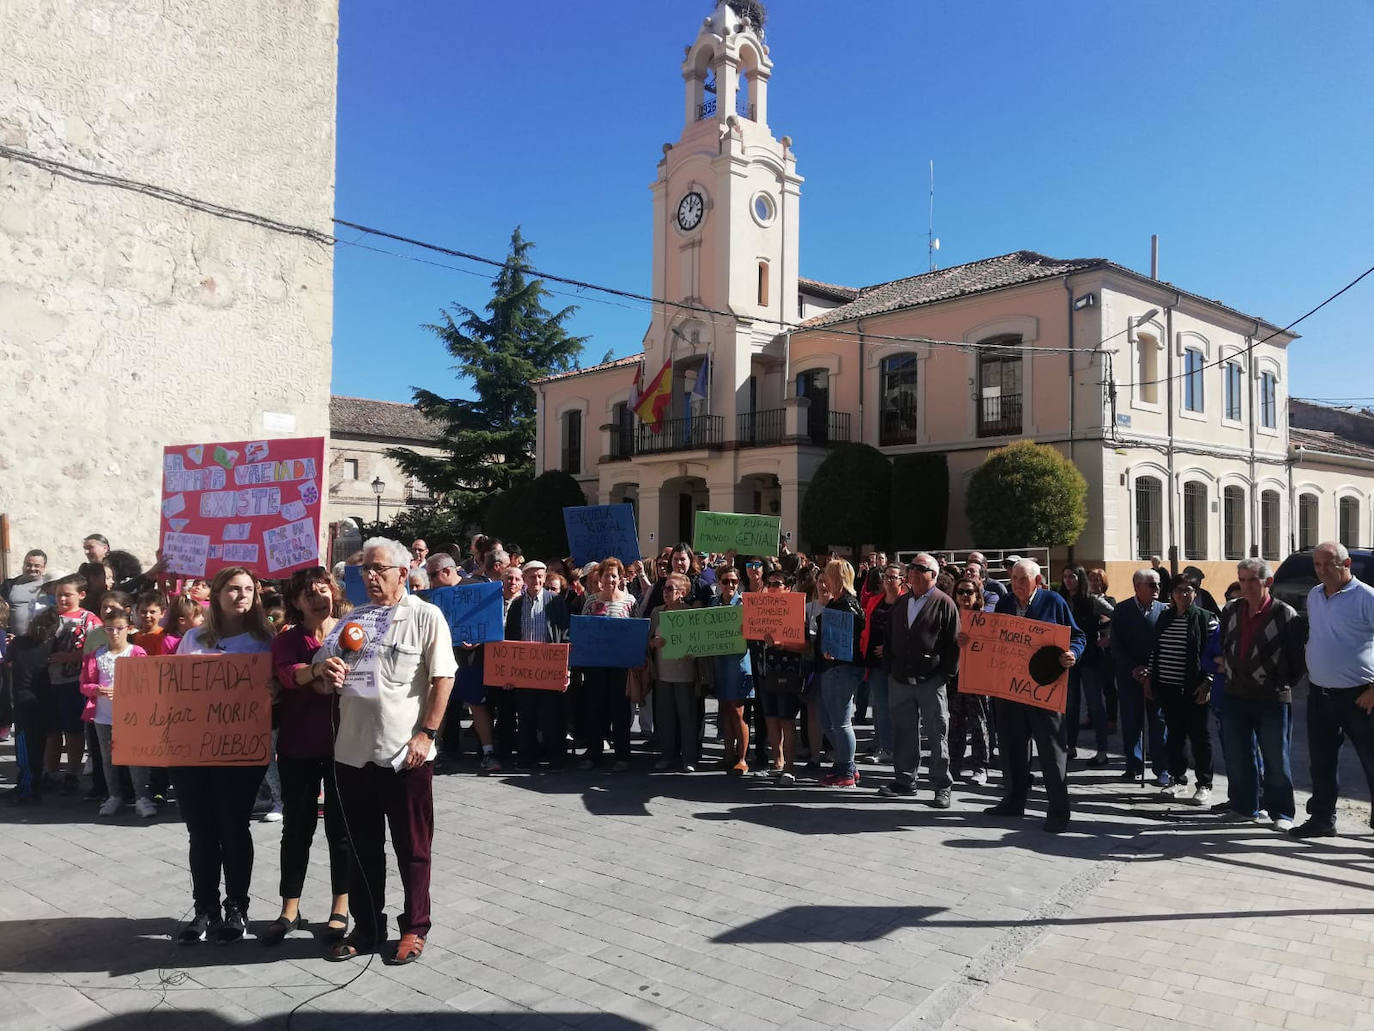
x=622, y=444
x=833, y=429
x=694, y=434
x=897, y=425
x=757, y=429
x=999, y=415
x=706, y=109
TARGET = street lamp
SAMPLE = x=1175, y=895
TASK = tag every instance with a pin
x=378, y=486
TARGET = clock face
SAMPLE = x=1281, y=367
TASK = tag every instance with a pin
x=689, y=211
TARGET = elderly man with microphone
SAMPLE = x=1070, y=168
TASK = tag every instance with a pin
x=392, y=663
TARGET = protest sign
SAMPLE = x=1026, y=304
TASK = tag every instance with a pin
x=781, y=614
x=837, y=634
x=357, y=639
x=193, y=710
x=601, y=531
x=745, y=534
x=609, y=642
x=525, y=664
x=1014, y=658
x=702, y=632
x=473, y=611
x=355, y=588
x=243, y=503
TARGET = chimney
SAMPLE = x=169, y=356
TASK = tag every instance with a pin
x=1154, y=255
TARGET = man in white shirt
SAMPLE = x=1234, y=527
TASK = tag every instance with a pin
x=392, y=663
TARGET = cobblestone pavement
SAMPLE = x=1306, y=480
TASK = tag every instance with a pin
x=639, y=900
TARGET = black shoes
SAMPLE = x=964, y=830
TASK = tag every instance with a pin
x=1056, y=824
x=1313, y=828
x=895, y=790
x=941, y=800
x=1006, y=807
x=203, y=925
x=233, y=925
x=279, y=928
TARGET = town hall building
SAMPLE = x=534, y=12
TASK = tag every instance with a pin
x=1174, y=406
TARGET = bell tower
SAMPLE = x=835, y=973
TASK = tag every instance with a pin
x=725, y=218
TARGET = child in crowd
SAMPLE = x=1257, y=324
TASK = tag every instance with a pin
x=150, y=609
x=65, y=728
x=98, y=685
x=199, y=592
x=184, y=614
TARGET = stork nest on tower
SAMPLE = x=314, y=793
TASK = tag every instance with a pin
x=750, y=9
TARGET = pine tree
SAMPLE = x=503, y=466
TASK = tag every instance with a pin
x=490, y=439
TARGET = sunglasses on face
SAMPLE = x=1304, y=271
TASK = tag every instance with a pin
x=732, y=580
x=753, y=565
x=921, y=569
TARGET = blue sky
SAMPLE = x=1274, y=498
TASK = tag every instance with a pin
x=1240, y=133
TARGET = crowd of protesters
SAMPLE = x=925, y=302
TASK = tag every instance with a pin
x=1159, y=667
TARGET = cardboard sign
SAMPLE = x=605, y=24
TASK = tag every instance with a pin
x=837, y=634
x=193, y=710
x=1014, y=658
x=601, y=531
x=368, y=625
x=355, y=589
x=746, y=534
x=473, y=611
x=254, y=504
x=702, y=632
x=609, y=641
x=525, y=664
x=773, y=612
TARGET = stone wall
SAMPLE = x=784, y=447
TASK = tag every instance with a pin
x=128, y=322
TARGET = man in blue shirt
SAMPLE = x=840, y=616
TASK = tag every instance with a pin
x=1340, y=666
x=1019, y=724
x=1133, y=641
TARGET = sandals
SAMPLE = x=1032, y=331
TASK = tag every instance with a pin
x=349, y=948
x=279, y=928
x=410, y=948
x=333, y=933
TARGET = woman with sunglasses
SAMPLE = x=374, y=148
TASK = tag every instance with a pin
x=840, y=678
x=968, y=713
x=305, y=750
x=734, y=685
x=1181, y=684
x=780, y=694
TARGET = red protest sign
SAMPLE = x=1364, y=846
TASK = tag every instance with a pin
x=782, y=615
x=1014, y=658
x=525, y=664
x=242, y=503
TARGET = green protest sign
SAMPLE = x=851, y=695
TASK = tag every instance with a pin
x=700, y=632
x=746, y=534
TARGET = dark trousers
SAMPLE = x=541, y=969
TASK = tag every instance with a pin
x=1258, y=735
x=540, y=715
x=217, y=804
x=608, y=709
x=1188, y=726
x=30, y=739
x=1332, y=717
x=1017, y=726
x=373, y=798
x=300, y=790
x=503, y=716
x=1137, y=711
x=98, y=785
x=968, y=718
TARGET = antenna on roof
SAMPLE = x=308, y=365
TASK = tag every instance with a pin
x=932, y=241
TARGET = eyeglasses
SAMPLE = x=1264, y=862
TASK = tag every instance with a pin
x=731, y=580
x=753, y=565
x=921, y=569
x=966, y=592
x=377, y=569
x=892, y=576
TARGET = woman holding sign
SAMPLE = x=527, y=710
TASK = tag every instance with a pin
x=217, y=801
x=734, y=685
x=839, y=668
x=305, y=750
x=607, y=705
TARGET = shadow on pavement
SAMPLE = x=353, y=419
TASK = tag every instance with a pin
x=162, y=1019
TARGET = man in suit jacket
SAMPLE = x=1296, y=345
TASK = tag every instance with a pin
x=1133, y=641
x=541, y=616
x=922, y=654
x=1019, y=724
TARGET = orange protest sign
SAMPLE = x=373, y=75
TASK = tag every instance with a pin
x=193, y=710
x=525, y=664
x=782, y=615
x=1014, y=658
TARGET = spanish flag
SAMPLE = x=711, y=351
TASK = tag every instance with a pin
x=657, y=396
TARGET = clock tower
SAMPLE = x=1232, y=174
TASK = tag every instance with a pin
x=725, y=227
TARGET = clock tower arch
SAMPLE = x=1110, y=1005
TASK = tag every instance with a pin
x=725, y=206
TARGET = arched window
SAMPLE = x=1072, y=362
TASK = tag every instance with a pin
x=897, y=398
x=999, y=387
x=1269, y=400
x=763, y=284
x=1233, y=522
x=1194, y=520
x=1147, y=369
x=814, y=385
x=1234, y=382
x=1149, y=517
x=572, y=441
x=1192, y=379
x=1269, y=524
x=1349, y=510
x=1309, y=509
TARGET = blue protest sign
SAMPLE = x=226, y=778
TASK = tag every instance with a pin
x=608, y=641
x=601, y=531
x=473, y=611
x=837, y=633
x=355, y=590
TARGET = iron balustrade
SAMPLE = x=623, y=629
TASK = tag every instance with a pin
x=999, y=415
x=756, y=429
x=897, y=425
x=833, y=430
x=686, y=434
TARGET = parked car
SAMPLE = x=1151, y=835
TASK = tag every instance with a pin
x=1295, y=575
